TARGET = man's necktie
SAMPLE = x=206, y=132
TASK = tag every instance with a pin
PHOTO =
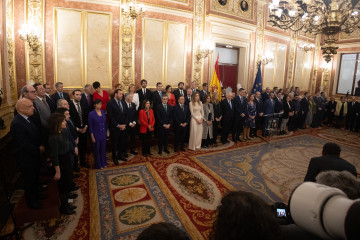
x=80, y=113
x=120, y=106
x=144, y=91
x=88, y=99
x=182, y=107
x=160, y=94
x=181, y=93
x=165, y=106
x=61, y=95
x=230, y=104
x=43, y=100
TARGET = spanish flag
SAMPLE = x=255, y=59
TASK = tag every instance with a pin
x=215, y=80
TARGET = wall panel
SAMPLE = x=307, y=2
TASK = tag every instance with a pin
x=98, y=48
x=302, y=77
x=68, y=47
x=274, y=72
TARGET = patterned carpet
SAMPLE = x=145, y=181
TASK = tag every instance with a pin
x=184, y=188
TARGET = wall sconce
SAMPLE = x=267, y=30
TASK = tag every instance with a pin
x=306, y=47
x=268, y=58
x=325, y=66
x=206, y=47
x=30, y=34
x=133, y=10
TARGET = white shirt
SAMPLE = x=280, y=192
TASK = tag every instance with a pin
x=136, y=100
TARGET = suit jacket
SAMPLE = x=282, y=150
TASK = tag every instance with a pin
x=115, y=115
x=89, y=105
x=177, y=94
x=228, y=113
x=327, y=163
x=279, y=105
x=51, y=104
x=156, y=98
x=264, y=96
x=259, y=106
x=304, y=105
x=147, y=96
x=44, y=111
x=163, y=117
x=352, y=110
x=75, y=115
x=55, y=97
x=145, y=122
x=27, y=141
x=132, y=113
x=202, y=94
x=97, y=125
x=181, y=116
x=72, y=129
x=318, y=102
x=71, y=134
x=287, y=108
x=239, y=108
x=269, y=107
x=187, y=101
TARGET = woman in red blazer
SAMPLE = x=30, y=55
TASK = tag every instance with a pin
x=171, y=96
x=147, y=122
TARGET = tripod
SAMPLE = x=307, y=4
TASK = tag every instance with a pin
x=272, y=125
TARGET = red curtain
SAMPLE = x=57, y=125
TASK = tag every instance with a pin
x=229, y=75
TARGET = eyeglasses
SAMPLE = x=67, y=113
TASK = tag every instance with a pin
x=32, y=91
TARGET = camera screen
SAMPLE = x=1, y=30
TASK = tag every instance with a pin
x=281, y=212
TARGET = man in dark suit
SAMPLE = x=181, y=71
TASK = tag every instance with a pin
x=41, y=105
x=144, y=93
x=352, y=113
x=304, y=108
x=259, y=119
x=188, y=96
x=49, y=101
x=87, y=98
x=179, y=92
x=204, y=92
x=239, y=115
x=266, y=95
x=118, y=121
x=330, y=160
x=60, y=94
x=157, y=95
x=193, y=87
x=132, y=119
x=79, y=116
x=163, y=113
x=181, y=123
x=28, y=149
x=319, y=109
x=269, y=110
x=227, y=108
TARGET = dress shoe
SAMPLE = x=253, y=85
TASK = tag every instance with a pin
x=122, y=158
x=149, y=154
x=71, y=207
x=76, y=169
x=234, y=140
x=126, y=155
x=72, y=195
x=175, y=150
x=34, y=205
x=67, y=211
x=43, y=188
x=134, y=152
x=160, y=152
x=116, y=162
x=183, y=149
x=85, y=165
x=76, y=175
x=144, y=155
x=75, y=188
x=167, y=151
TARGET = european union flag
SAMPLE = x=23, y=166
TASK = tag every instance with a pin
x=257, y=84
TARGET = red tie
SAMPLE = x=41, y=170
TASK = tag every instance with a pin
x=88, y=99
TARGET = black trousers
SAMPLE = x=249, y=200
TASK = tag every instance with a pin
x=350, y=121
x=30, y=176
x=215, y=130
x=238, y=127
x=118, y=143
x=163, y=135
x=66, y=179
x=291, y=123
x=145, y=142
x=180, y=133
x=130, y=137
x=82, y=147
x=226, y=129
x=302, y=118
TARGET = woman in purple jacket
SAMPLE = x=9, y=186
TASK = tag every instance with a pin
x=98, y=130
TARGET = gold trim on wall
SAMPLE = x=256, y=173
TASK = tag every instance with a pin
x=81, y=45
x=109, y=47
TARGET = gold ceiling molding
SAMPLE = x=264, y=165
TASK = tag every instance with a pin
x=355, y=34
x=233, y=8
x=35, y=70
x=179, y=1
x=198, y=36
x=10, y=48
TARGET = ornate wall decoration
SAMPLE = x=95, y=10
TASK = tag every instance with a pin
x=126, y=51
x=316, y=63
x=198, y=35
x=35, y=71
x=291, y=65
x=236, y=8
x=355, y=34
x=259, y=34
x=10, y=48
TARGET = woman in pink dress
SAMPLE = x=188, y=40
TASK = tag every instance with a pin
x=100, y=94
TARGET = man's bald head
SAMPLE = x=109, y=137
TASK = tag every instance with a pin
x=25, y=106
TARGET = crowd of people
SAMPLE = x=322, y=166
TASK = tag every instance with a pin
x=54, y=129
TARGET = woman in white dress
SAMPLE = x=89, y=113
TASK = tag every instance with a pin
x=197, y=116
x=135, y=95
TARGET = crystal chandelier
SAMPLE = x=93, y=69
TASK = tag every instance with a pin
x=327, y=17
x=133, y=10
